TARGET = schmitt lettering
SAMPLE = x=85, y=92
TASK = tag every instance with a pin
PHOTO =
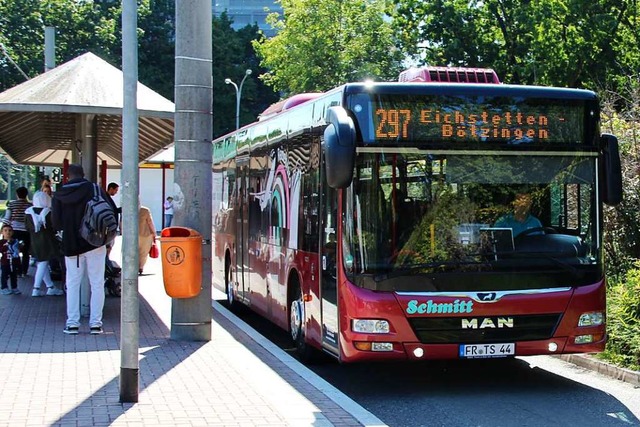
x=431, y=307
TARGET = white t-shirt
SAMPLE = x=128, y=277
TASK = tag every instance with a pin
x=168, y=207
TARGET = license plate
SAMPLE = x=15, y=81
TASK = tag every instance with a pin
x=472, y=351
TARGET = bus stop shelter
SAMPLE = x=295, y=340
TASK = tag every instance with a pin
x=74, y=112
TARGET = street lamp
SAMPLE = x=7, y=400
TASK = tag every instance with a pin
x=238, y=94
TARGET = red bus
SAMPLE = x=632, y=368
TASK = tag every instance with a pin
x=369, y=221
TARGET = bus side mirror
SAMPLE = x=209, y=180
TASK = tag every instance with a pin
x=339, y=147
x=612, y=170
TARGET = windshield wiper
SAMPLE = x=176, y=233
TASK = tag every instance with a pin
x=441, y=267
x=549, y=256
x=413, y=268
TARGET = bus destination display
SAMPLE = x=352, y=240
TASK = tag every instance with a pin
x=469, y=121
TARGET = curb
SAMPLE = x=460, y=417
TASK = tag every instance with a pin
x=604, y=368
x=359, y=413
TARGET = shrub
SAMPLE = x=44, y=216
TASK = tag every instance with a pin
x=623, y=321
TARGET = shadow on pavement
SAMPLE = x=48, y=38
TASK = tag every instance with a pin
x=30, y=325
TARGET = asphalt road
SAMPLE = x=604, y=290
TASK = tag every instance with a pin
x=532, y=391
x=511, y=392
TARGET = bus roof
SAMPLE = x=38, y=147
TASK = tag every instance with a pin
x=461, y=89
x=454, y=80
x=287, y=103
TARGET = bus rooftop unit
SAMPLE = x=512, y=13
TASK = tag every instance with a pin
x=369, y=221
x=449, y=75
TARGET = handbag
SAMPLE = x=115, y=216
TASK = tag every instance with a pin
x=153, y=251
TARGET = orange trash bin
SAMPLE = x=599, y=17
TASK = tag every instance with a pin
x=181, y=252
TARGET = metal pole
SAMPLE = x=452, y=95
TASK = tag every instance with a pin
x=237, y=106
x=9, y=183
x=228, y=81
x=89, y=146
x=49, y=48
x=129, y=303
x=235, y=86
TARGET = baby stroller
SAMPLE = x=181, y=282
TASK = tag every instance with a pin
x=112, y=278
x=56, y=269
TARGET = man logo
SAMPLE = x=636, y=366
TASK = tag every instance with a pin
x=488, y=323
x=487, y=297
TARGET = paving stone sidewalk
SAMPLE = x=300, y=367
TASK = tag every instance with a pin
x=52, y=379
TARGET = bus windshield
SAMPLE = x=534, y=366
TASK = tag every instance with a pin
x=435, y=213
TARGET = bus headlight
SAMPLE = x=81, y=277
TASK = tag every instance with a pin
x=593, y=318
x=370, y=326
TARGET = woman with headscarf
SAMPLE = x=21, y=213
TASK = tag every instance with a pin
x=146, y=235
x=44, y=245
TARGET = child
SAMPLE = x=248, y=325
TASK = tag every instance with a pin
x=44, y=245
x=10, y=263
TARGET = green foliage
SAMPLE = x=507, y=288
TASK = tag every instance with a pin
x=156, y=50
x=14, y=176
x=85, y=27
x=5, y=172
x=450, y=32
x=80, y=27
x=324, y=43
x=622, y=222
x=551, y=42
x=623, y=321
x=620, y=116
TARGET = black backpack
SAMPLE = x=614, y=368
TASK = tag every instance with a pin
x=99, y=225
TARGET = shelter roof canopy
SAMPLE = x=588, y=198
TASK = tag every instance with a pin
x=38, y=118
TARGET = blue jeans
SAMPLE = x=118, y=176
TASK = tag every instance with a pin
x=10, y=272
x=167, y=220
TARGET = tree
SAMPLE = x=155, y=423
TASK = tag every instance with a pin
x=80, y=27
x=552, y=42
x=577, y=44
x=622, y=239
x=447, y=32
x=156, y=51
x=324, y=43
x=88, y=27
x=5, y=176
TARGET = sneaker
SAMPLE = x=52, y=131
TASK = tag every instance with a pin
x=16, y=291
x=71, y=330
x=37, y=292
x=55, y=292
x=5, y=291
x=96, y=330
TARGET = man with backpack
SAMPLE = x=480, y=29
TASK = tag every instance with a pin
x=76, y=207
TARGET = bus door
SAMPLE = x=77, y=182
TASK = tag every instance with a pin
x=242, y=228
x=328, y=262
